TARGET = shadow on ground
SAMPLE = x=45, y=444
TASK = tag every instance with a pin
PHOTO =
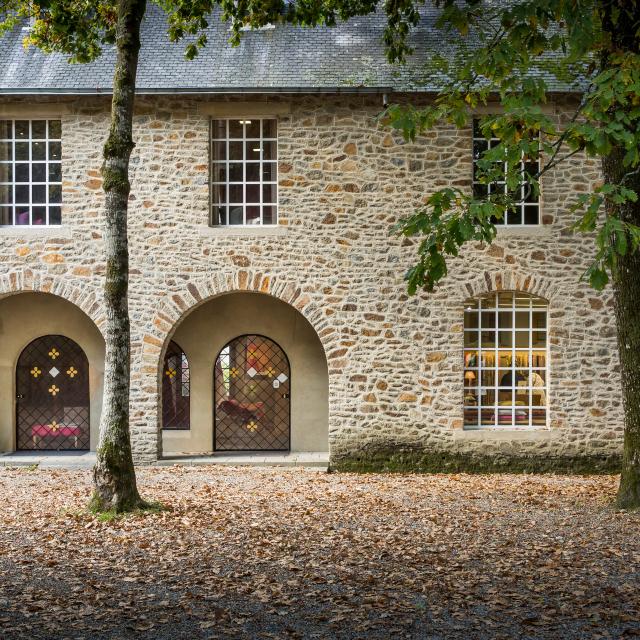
x=269, y=553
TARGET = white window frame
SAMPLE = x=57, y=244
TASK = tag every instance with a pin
x=522, y=206
x=498, y=361
x=213, y=183
x=31, y=183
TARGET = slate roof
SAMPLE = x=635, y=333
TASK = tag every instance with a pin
x=348, y=57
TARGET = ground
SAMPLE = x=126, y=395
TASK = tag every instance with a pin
x=273, y=553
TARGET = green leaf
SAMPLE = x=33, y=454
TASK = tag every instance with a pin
x=598, y=279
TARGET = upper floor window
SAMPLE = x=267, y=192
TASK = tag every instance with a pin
x=505, y=361
x=244, y=171
x=527, y=209
x=30, y=172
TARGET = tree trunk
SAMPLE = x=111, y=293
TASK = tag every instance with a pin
x=620, y=21
x=113, y=475
x=626, y=288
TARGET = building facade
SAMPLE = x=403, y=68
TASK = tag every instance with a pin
x=267, y=300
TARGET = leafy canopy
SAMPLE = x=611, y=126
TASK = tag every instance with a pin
x=516, y=53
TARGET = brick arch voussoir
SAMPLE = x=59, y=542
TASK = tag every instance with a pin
x=76, y=292
x=509, y=280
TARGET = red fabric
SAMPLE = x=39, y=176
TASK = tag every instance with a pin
x=66, y=430
x=243, y=411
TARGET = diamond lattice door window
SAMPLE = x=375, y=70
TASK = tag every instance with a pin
x=52, y=389
x=176, y=389
x=252, y=405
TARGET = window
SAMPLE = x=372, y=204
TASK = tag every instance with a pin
x=244, y=173
x=505, y=361
x=252, y=385
x=527, y=210
x=176, y=408
x=30, y=172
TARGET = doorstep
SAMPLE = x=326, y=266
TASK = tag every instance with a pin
x=318, y=460
x=307, y=459
x=49, y=459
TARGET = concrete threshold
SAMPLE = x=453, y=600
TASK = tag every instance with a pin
x=86, y=459
x=49, y=459
x=307, y=459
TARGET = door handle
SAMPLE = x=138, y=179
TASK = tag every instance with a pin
x=285, y=395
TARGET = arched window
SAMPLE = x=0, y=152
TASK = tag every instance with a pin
x=505, y=361
x=175, y=389
x=52, y=388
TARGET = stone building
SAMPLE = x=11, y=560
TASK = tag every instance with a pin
x=267, y=299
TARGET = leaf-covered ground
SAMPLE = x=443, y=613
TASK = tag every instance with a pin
x=268, y=553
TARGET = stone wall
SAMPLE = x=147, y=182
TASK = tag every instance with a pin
x=395, y=363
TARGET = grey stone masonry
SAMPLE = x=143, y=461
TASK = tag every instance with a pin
x=395, y=362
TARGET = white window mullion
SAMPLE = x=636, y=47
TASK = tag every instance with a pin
x=244, y=174
x=529, y=370
x=13, y=168
x=30, y=147
x=260, y=165
x=227, y=173
x=47, y=204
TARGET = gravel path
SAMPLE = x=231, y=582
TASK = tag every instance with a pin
x=271, y=553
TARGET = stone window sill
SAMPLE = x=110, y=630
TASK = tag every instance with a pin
x=60, y=231
x=236, y=231
x=542, y=433
x=522, y=231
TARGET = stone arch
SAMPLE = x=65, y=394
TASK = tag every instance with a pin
x=508, y=280
x=72, y=290
x=177, y=306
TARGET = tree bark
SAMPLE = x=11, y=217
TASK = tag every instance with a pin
x=114, y=475
x=626, y=288
x=620, y=21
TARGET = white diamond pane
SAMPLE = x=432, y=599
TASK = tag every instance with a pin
x=251, y=372
x=282, y=378
x=54, y=372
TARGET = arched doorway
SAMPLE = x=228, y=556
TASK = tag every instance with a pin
x=252, y=402
x=52, y=396
x=205, y=331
